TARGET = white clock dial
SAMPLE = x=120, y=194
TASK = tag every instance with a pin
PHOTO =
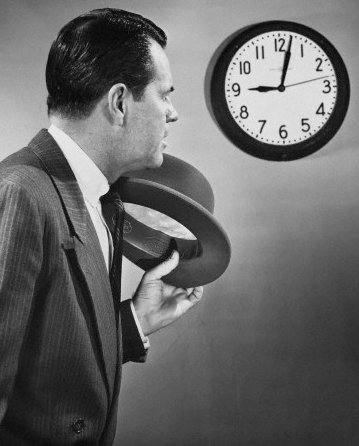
x=280, y=111
x=278, y=90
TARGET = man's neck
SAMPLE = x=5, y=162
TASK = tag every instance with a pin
x=89, y=137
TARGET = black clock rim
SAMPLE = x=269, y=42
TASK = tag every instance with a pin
x=264, y=150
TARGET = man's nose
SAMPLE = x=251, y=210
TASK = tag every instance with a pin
x=172, y=115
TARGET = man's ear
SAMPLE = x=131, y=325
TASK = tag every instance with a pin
x=117, y=101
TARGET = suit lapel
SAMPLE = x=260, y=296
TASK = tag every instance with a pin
x=57, y=167
x=86, y=246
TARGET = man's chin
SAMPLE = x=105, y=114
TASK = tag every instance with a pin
x=156, y=161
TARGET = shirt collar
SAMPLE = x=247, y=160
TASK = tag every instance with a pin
x=92, y=182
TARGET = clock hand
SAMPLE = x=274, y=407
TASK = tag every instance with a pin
x=304, y=82
x=281, y=87
x=263, y=88
x=285, y=64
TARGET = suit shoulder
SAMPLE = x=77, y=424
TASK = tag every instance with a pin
x=25, y=170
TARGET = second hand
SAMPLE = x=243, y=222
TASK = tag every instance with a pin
x=304, y=82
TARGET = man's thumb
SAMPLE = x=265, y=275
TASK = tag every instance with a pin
x=164, y=268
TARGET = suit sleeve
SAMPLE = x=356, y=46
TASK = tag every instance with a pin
x=20, y=265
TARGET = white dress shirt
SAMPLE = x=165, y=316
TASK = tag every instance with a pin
x=93, y=184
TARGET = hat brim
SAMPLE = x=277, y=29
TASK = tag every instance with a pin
x=202, y=260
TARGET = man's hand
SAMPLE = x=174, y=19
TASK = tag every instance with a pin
x=158, y=304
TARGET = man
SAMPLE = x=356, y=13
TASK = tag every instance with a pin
x=64, y=333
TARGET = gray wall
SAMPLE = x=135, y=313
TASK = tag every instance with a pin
x=271, y=355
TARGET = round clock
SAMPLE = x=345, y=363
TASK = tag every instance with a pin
x=279, y=90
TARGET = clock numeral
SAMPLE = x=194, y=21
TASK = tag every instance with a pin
x=244, y=67
x=301, y=50
x=319, y=62
x=279, y=45
x=263, y=121
x=283, y=132
x=305, y=125
x=327, y=87
x=244, y=112
x=260, y=52
x=236, y=88
x=320, y=110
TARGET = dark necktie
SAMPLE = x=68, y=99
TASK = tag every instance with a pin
x=113, y=213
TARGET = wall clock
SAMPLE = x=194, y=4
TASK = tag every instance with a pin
x=279, y=90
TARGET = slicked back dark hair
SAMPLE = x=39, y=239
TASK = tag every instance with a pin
x=95, y=51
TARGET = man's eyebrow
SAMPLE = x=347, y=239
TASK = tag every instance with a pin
x=171, y=89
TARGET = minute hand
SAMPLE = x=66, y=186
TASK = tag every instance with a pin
x=286, y=63
x=304, y=82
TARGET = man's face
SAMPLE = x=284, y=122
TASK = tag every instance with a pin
x=149, y=118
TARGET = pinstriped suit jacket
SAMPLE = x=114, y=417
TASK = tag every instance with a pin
x=60, y=351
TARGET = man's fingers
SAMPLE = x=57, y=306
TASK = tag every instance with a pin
x=163, y=268
x=195, y=294
x=187, y=301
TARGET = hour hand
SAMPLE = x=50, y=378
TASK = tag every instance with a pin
x=263, y=88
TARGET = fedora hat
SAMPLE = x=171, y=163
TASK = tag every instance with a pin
x=179, y=191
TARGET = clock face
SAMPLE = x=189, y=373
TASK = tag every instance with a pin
x=290, y=114
x=279, y=90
